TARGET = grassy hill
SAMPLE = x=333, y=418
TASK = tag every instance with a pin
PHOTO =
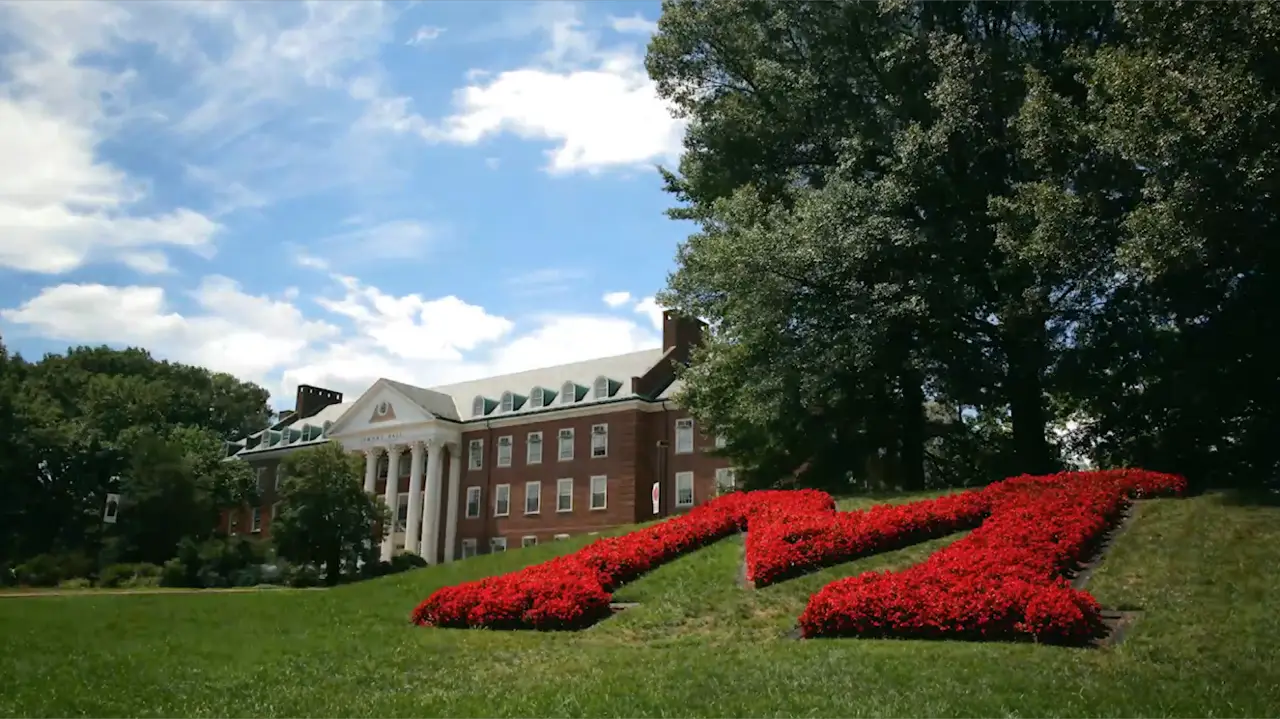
x=1203, y=572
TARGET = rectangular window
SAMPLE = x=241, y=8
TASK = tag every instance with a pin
x=233, y=519
x=564, y=495
x=599, y=492
x=528, y=541
x=468, y=548
x=402, y=512
x=533, y=453
x=275, y=511
x=721, y=442
x=566, y=445
x=502, y=500
x=684, y=436
x=559, y=537
x=262, y=479
x=599, y=440
x=404, y=465
x=532, y=497
x=257, y=519
x=684, y=489
x=276, y=477
x=726, y=480
x=498, y=544
x=504, y=451
x=473, y=502
x=475, y=454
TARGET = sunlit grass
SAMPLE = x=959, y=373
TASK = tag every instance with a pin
x=1202, y=572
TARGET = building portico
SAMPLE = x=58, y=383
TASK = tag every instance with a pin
x=387, y=422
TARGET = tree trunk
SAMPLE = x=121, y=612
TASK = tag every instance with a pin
x=912, y=435
x=1026, y=350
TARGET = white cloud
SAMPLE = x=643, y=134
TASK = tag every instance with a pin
x=617, y=299
x=634, y=25
x=425, y=34
x=650, y=308
x=234, y=332
x=595, y=104
x=252, y=120
x=390, y=240
x=544, y=281
x=271, y=341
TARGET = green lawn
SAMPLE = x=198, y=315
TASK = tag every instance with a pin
x=1202, y=571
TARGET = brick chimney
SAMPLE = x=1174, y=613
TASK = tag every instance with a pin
x=311, y=400
x=680, y=335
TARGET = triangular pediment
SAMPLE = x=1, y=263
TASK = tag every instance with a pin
x=381, y=406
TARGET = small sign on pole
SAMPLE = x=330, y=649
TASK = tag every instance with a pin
x=112, y=509
x=656, y=495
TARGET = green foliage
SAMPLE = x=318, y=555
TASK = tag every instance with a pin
x=69, y=427
x=326, y=517
x=48, y=570
x=216, y=562
x=1032, y=211
x=135, y=575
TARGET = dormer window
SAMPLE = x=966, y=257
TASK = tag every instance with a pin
x=477, y=407
x=536, y=397
x=568, y=393
x=508, y=402
x=600, y=390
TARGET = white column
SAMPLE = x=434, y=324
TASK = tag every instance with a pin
x=451, y=508
x=371, y=468
x=412, y=529
x=431, y=504
x=390, y=496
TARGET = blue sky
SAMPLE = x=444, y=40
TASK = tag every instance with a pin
x=333, y=192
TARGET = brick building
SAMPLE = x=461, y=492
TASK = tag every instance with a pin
x=512, y=460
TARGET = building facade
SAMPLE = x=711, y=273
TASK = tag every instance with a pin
x=512, y=460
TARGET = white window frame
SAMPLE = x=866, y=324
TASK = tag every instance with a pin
x=538, y=509
x=601, y=431
x=275, y=511
x=732, y=474
x=498, y=496
x=537, y=397
x=262, y=479
x=600, y=388
x=684, y=436
x=559, y=537
x=508, y=402
x=682, y=477
x=525, y=541
x=477, y=406
x=402, y=500
x=561, y=484
x=477, y=494
x=603, y=482
x=504, y=443
x=721, y=441
x=562, y=435
x=469, y=548
x=568, y=392
x=497, y=544
x=276, y=476
x=534, y=439
x=256, y=527
x=475, y=454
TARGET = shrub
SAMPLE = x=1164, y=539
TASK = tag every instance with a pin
x=302, y=575
x=47, y=570
x=141, y=574
x=77, y=583
x=174, y=574
x=405, y=561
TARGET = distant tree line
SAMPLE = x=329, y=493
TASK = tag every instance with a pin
x=933, y=237
x=95, y=421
